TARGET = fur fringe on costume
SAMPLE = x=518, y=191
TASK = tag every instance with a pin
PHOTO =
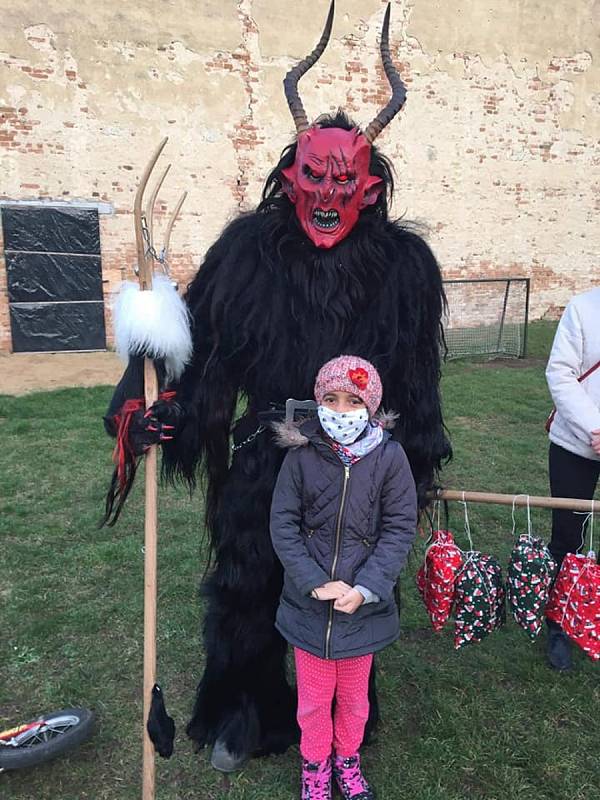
x=154, y=323
x=289, y=435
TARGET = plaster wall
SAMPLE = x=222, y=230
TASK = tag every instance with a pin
x=497, y=150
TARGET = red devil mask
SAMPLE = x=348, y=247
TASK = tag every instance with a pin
x=329, y=182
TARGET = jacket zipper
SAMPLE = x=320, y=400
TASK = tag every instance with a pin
x=338, y=533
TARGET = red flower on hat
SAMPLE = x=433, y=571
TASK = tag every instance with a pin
x=359, y=377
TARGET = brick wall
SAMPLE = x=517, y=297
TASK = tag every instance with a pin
x=497, y=149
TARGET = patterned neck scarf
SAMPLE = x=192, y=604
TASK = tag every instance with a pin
x=351, y=453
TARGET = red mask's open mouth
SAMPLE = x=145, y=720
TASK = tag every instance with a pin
x=326, y=220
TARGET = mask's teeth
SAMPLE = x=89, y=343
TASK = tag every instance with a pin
x=326, y=219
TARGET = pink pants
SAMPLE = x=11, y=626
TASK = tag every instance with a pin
x=319, y=681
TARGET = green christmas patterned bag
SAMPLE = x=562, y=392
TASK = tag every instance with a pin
x=479, y=606
x=531, y=571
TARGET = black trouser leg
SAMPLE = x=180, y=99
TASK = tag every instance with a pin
x=570, y=476
x=373, y=718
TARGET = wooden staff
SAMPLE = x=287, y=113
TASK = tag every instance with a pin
x=150, y=584
x=567, y=503
x=145, y=268
x=146, y=255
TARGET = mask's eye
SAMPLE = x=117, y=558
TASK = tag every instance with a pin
x=343, y=178
x=312, y=176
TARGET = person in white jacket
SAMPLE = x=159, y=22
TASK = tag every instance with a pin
x=574, y=454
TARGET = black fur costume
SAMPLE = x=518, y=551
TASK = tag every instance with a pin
x=268, y=309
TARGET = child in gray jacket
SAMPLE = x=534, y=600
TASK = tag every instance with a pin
x=343, y=520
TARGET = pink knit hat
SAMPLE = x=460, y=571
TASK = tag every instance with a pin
x=350, y=374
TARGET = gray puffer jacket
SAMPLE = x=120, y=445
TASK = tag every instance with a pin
x=332, y=522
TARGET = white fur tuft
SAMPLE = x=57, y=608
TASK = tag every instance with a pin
x=153, y=323
x=288, y=435
x=387, y=419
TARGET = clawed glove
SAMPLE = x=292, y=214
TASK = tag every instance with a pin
x=136, y=430
x=160, y=423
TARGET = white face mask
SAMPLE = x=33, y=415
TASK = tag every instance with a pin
x=343, y=426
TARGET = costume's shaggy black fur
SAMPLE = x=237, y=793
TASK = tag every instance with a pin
x=269, y=309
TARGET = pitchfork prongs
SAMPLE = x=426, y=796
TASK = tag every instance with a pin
x=144, y=221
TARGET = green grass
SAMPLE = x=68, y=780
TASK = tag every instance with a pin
x=488, y=722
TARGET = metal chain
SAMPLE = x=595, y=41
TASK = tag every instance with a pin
x=160, y=259
x=248, y=439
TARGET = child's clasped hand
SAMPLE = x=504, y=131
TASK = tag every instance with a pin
x=347, y=599
x=349, y=602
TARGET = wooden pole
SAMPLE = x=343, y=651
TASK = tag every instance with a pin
x=151, y=496
x=145, y=257
x=568, y=503
x=150, y=584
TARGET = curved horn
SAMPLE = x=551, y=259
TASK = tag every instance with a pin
x=151, y=202
x=290, y=82
x=172, y=221
x=144, y=263
x=387, y=114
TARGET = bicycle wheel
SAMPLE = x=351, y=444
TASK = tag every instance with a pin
x=57, y=732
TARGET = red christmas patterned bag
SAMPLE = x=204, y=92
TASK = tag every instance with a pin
x=575, y=602
x=436, y=577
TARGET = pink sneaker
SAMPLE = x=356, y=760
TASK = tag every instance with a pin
x=316, y=780
x=350, y=779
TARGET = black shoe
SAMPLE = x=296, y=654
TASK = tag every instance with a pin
x=224, y=760
x=558, y=648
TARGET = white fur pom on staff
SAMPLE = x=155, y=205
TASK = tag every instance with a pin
x=153, y=323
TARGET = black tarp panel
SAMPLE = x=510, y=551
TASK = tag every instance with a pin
x=57, y=326
x=51, y=230
x=54, y=276
x=40, y=277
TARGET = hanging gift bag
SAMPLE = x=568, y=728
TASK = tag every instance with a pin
x=575, y=599
x=436, y=577
x=531, y=570
x=479, y=602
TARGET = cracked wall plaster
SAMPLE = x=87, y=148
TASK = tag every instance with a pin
x=496, y=151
